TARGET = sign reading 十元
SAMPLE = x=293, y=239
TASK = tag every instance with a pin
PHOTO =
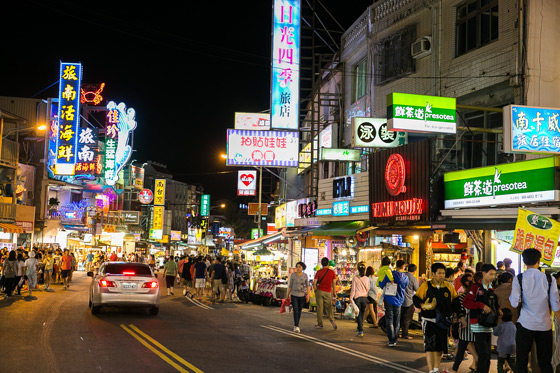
x=68, y=118
x=205, y=205
x=536, y=231
x=374, y=133
x=262, y=148
x=159, y=192
x=508, y=183
x=284, y=105
x=531, y=129
x=416, y=113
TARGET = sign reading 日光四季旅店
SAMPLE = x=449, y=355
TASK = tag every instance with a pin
x=424, y=114
x=509, y=183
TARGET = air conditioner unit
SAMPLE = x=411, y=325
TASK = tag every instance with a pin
x=421, y=47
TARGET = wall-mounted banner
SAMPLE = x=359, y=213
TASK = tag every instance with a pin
x=340, y=155
x=424, y=114
x=159, y=192
x=262, y=148
x=284, y=105
x=120, y=123
x=503, y=184
x=531, y=129
x=205, y=205
x=68, y=117
x=246, y=183
x=374, y=133
x=536, y=231
x=252, y=121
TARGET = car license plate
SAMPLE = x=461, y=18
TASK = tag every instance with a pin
x=129, y=286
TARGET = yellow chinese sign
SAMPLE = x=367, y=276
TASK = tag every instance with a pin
x=159, y=192
x=157, y=221
x=538, y=232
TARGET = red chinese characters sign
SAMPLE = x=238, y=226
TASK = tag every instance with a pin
x=538, y=232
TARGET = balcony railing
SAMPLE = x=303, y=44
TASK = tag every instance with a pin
x=7, y=211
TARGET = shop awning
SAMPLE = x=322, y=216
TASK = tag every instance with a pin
x=10, y=228
x=339, y=228
x=269, y=238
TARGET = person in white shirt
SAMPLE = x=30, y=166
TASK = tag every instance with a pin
x=536, y=294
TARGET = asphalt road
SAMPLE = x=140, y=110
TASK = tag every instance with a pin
x=56, y=332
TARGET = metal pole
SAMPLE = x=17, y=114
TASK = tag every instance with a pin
x=260, y=201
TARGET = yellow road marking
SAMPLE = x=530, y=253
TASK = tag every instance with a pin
x=151, y=348
x=164, y=349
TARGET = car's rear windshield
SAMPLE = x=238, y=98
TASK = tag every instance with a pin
x=127, y=269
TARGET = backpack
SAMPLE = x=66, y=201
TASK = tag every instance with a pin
x=9, y=270
x=520, y=278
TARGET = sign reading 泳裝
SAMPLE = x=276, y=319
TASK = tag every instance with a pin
x=536, y=231
x=262, y=148
x=508, y=183
x=68, y=117
x=531, y=129
x=374, y=133
x=284, y=105
x=424, y=114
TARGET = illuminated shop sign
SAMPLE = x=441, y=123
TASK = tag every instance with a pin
x=205, y=205
x=285, y=65
x=374, y=133
x=359, y=209
x=509, y=183
x=323, y=212
x=262, y=148
x=120, y=123
x=246, y=183
x=68, y=117
x=91, y=94
x=340, y=155
x=157, y=221
x=531, y=129
x=409, y=209
x=341, y=208
x=343, y=187
x=307, y=209
x=145, y=196
x=252, y=121
x=159, y=191
x=424, y=114
x=88, y=162
x=536, y=231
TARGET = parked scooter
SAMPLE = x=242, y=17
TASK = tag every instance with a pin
x=244, y=292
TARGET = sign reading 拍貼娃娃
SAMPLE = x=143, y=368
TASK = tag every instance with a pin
x=262, y=148
x=538, y=232
x=374, y=133
x=284, y=106
x=424, y=114
x=509, y=183
x=205, y=205
x=531, y=129
x=120, y=123
x=159, y=192
x=68, y=118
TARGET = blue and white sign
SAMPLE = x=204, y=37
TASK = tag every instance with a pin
x=531, y=129
x=359, y=209
x=341, y=208
x=284, y=105
x=323, y=212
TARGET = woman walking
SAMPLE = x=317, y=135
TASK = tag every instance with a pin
x=466, y=337
x=358, y=296
x=170, y=271
x=298, y=290
x=9, y=270
x=372, y=297
x=19, y=272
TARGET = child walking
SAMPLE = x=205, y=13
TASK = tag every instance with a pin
x=506, y=341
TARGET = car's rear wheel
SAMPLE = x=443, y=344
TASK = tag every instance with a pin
x=95, y=309
x=154, y=310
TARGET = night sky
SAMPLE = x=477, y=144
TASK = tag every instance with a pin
x=185, y=66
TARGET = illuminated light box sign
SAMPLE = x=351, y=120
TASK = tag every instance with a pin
x=246, y=183
x=262, y=148
x=424, y=114
x=120, y=123
x=205, y=205
x=280, y=216
x=359, y=209
x=341, y=208
x=410, y=207
x=343, y=187
x=159, y=191
x=158, y=216
x=341, y=155
x=323, y=212
x=68, y=118
x=284, y=106
x=252, y=121
x=175, y=235
x=91, y=94
x=531, y=129
x=88, y=162
x=374, y=133
x=509, y=183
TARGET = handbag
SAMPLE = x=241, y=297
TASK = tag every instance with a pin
x=442, y=321
x=391, y=289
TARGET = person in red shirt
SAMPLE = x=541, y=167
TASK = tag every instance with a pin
x=66, y=267
x=324, y=286
x=113, y=257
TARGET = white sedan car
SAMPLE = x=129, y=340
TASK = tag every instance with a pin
x=123, y=284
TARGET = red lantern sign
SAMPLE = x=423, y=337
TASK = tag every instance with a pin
x=395, y=175
x=145, y=196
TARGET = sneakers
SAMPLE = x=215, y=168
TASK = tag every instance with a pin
x=296, y=329
x=184, y=292
x=318, y=326
x=360, y=334
x=391, y=344
x=333, y=324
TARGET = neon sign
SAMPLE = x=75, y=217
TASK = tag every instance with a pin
x=410, y=207
x=68, y=117
x=395, y=175
x=88, y=162
x=92, y=95
x=120, y=122
x=284, y=106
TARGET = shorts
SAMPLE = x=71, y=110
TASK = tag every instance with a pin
x=217, y=285
x=435, y=338
x=169, y=281
x=186, y=282
x=48, y=270
x=65, y=273
x=199, y=283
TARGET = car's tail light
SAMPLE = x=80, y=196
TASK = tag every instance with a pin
x=129, y=273
x=150, y=285
x=107, y=284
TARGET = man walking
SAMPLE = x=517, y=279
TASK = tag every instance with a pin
x=218, y=271
x=407, y=308
x=393, y=301
x=66, y=267
x=324, y=286
x=536, y=292
x=200, y=277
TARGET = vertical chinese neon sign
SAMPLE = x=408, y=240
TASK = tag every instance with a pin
x=120, y=123
x=68, y=117
x=284, y=105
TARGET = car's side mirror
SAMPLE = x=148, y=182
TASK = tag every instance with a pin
x=90, y=274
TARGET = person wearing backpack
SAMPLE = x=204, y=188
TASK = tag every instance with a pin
x=9, y=273
x=537, y=294
x=484, y=310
